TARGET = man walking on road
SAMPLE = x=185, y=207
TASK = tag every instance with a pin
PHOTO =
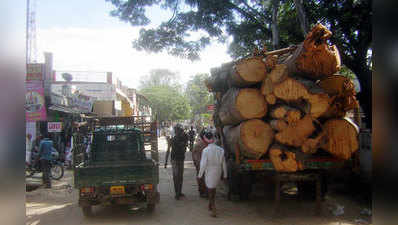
x=45, y=149
x=213, y=166
x=196, y=157
x=178, y=148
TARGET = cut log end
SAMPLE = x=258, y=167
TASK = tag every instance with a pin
x=284, y=161
x=256, y=136
x=296, y=133
x=342, y=138
x=271, y=99
x=249, y=71
x=279, y=73
x=251, y=103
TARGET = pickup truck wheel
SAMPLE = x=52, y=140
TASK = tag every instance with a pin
x=87, y=211
x=150, y=207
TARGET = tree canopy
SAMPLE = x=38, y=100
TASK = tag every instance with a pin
x=197, y=94
x=194, y=24
x=161, y=88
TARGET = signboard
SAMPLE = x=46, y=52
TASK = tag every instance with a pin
x=82, y=102
x=35, y=109
x=34, y=71
x=54, y=127
x=210, y=108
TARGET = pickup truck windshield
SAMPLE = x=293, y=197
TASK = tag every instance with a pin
x=118, y=146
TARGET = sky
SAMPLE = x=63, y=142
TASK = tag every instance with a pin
x=83, y=37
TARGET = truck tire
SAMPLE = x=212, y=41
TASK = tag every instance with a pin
x=87, y=210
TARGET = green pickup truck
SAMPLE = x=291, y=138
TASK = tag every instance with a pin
x=112, y=164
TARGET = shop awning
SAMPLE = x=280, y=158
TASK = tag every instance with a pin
x=64, y=109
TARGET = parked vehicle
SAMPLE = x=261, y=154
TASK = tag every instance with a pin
x=114, y=168
x=57, y=167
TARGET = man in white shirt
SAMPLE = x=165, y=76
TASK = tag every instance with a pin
x=213, y=165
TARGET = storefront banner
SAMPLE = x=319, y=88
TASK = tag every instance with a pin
x=35, y=109
x=34, y=71
x=54, y=127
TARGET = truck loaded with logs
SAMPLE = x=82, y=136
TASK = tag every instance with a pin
x=285, y=111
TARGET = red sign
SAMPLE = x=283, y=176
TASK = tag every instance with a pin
x=54, y=126
x=34, y=71
x=35, y=108
x=210, y=108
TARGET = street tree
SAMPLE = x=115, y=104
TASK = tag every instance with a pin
x=197, y=94
x=167, y=102
x=159, y=77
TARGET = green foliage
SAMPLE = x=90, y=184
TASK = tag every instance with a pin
x=167, y=102
x=161, y=88
x=198, y=95
x=159, y=77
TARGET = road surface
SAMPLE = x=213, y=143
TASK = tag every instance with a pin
x=58, y=206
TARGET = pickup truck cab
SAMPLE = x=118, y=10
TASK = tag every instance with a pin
x=113, y=168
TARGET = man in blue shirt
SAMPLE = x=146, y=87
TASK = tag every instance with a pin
x=45, y=149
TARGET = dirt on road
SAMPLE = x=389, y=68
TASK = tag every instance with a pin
x=58, y=206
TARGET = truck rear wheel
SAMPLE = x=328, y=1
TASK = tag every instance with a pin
x=87, y=210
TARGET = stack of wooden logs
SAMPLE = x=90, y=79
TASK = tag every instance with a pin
x=286, y=104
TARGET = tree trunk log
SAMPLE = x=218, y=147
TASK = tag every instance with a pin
x=342, y=138
x=293, y=90
x=253, y=138
x=296, y=133
x=314, y=58
x=242, y=104
x=248, y=71
x=284, y=161
x=343, y=92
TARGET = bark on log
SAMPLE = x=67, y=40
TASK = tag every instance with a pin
x=242, y=104
x=248, y=71
x=342, y=138
x=315, y=58
x=343, y=92
x=278, y=125
x=296, y=133
x=284, y=161
x=253, y=138
x=311, y=145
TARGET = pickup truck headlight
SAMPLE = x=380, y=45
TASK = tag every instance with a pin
x=146, y=187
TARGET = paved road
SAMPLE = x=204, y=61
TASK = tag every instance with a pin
x=59, y=206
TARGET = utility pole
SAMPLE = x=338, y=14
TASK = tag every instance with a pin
x=31, y=48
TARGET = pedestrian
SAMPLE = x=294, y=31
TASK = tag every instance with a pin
x=196, y=157
x=28, y=144
x=45, y=149
x=213, y=166
x=178, y=148
x=68, y=155
x=191, y=134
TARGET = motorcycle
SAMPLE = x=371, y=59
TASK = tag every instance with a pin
x=56, y=166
